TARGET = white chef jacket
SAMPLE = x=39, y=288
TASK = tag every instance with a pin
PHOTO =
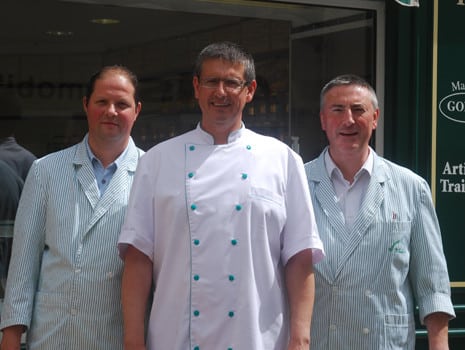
x=219, y=222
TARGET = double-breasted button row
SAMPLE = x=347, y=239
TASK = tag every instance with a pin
x=198, y=348
x=192, y=147
x=197, y=242
x=237, y=206
x=196, y=277
x=365, y=330
x=196, y=313
x=230, y=277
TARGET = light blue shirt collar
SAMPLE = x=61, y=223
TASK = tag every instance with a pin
x=103, y=175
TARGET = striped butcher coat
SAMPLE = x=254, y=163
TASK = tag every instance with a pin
x=377, y=272
x=65, y=273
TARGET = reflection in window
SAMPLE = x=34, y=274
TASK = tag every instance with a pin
x=159, y=42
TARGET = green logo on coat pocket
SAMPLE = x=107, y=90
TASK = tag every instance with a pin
x=397, y=247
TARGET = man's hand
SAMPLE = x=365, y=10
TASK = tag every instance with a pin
x=437, y=325
x=11, y=339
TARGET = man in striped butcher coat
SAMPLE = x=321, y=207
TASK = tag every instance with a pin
x=381, y=233
x=64, y=280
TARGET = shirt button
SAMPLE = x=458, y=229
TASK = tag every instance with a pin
x=231, y=314
x=332, y=327
x=196, y=348
x=73, y=311
x=196, y=277
x=231, y=278
x=244, y=176
x=191, y=148
x=238, y=207
x=366, y=331
x=191, y=175
x=248, y=147
x=193, y=206
x=368, y=293
x=77, y=270
x=234, y=241
x=196, y=242
x=196, y=313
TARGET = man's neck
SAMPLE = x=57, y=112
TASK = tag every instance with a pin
x=220, y=133
x=349, y=163
x=106, y=152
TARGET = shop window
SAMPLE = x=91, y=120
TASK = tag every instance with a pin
x=297, y=47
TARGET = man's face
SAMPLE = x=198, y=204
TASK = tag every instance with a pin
x=348, y=118
x=111, y=109
x=222, y=95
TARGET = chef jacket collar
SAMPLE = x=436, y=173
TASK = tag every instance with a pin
x=208, y=138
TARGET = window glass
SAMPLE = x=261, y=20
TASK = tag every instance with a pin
x=56, y=45
x=324, y=51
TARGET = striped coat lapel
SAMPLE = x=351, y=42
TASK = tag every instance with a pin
x=324, y=194
x=344, y=242
x=85, y=174
x=118, y=187
x=114, y=191
x=372, y=201
x=327, y=211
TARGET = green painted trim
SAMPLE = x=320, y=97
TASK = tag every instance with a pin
x=453, y=333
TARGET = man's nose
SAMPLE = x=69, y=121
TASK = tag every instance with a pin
x=220, y=88
x=348, y=116
x=111, y=109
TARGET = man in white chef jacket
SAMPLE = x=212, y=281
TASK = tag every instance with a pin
x=221, y=224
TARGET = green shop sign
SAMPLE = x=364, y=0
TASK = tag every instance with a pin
x=448, y=147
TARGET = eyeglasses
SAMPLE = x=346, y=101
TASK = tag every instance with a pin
x=229, y=85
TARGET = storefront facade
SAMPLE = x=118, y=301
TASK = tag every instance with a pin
x=298, y=45
x=297, y=48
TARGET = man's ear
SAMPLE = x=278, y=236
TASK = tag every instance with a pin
x=138, y=109
x=196, y=83
x=251, y=88
x=84, y=103
x=375, y=118
x=322, y=122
